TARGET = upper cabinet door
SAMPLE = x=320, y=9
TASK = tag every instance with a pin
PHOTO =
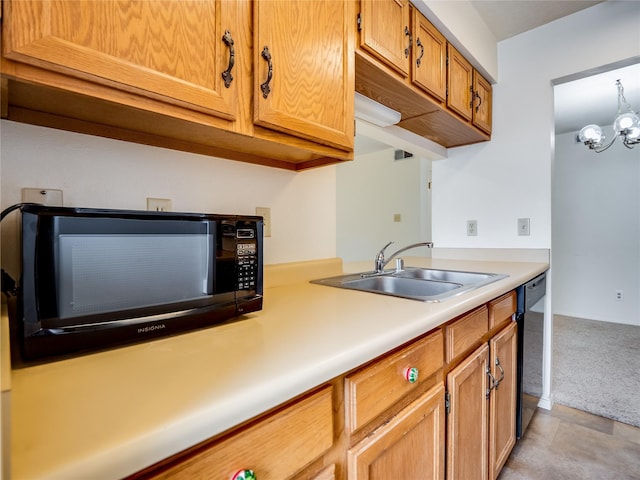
x=168, y=50
x=429, y=65
x=304, y=72
x=385, y=32
x=482, y=102
x=460, y=74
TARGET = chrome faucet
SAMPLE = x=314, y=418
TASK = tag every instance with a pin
x=381, y=262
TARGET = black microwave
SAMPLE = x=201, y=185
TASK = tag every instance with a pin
x=94, y=278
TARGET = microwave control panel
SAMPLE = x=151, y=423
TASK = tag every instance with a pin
x=247, y=266
x=247, y=258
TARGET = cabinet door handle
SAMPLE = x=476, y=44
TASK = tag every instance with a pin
x=419, y=59
x=266, y=89
x=501, y=372
x=411, y=374
x=244, y=474
x=477, y=96
x=492, y=382
x=226, y=75
x=407, y=33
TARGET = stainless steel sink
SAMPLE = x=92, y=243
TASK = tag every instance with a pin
x=464, y=278
x=424, y=284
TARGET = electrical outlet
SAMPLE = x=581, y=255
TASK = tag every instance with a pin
x=397, y=217
x=619, y=295
x=265, y=213
x=43, y=196
x=472, y=228
x=523, y=226
x=159, y=204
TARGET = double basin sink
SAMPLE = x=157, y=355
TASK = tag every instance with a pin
x=424, y=284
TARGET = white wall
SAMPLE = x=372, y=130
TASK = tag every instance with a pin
x=370, y=190
x=510, y=177
x=99, y=172
x=596, y=231
x=461, y=23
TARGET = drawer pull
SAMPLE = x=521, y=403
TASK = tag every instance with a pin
x=226, y=75
x=411, y=374
x=244, y=475
x=266, y=89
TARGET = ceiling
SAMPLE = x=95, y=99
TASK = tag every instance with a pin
x=594, y=99
x=508, y=18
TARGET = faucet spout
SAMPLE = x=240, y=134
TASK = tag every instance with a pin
x=381, y=261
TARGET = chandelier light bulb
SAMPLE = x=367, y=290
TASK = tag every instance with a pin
x=626, y=126
x=633, y=134
x=626, y=121
x=591, y=134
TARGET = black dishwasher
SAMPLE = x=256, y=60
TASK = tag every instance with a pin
x=530, y=318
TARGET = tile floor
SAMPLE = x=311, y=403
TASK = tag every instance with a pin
x=567, y=444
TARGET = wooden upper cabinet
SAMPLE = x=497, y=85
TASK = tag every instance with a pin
x=385, y=32
x=470, y=95
x=482, y=103
x=429, y=60
x=167, y=50
x=304, y=69
x=460, y=81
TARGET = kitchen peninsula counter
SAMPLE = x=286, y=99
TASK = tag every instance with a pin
x=112, y=413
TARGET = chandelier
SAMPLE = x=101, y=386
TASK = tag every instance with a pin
x=626, y=126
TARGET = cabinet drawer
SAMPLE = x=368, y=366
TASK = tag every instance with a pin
x=501, y=309
x=465, y=332
x=375, y=388
x=274, y=448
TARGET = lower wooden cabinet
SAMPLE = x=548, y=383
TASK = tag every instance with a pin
x=274, y=448
x=502, y=407
x=467, y=421
x=481, y=392
x=409, y=446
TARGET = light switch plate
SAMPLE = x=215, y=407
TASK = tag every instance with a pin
x=523, y=226
x=44, y=196
x=159, y=204
x=265, y=213
x=472, y=228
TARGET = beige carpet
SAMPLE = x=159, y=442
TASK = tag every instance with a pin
x=596, y=367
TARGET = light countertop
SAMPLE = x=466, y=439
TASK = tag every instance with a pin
x=112, y=413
